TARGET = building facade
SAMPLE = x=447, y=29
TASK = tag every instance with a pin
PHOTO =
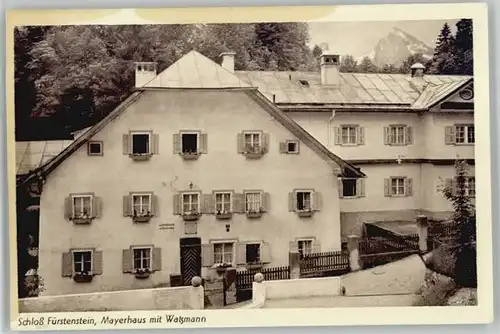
x=184, y=178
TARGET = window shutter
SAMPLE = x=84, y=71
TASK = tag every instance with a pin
x=265, y=253
x=338, y=137
x=203, y=143
x=293, y=247
x=176, y=143
x=265, y=202
x=67, y=264
x=156, y=266
x=341, y=187
x=316, y=246
x=126, y=144
x=127, y=265
x=155, y=144
x=409, y=187
x=96, y=207
x=207, y=255
x=155, y=205
x=208, y=204
x=409, y=135
x=317, y=201
x=127, y=206
x=68, y=208
x=387, y=135
x=98, y=263
x=449, y=135
x=240, y=143
x=387, y=187
x=283, y=147
x=265, y=142
x=241, y=253
x=177, y=204
x=292, y=203
x=361, y=135
x=360, y=187
x=238, y=203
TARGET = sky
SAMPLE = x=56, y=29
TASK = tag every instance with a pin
x=359, y=38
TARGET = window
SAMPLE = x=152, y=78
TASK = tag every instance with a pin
x=94, y=148
x=142, y=258
x=223, y=253
x=303, y=200
x=253, y=201
x=189, y=143
x=222, y=202
x=349, y=187
x=398, y=186
x=398, y=135
x=82, y=261
x=253, y=253
x=141, y=143
x=305, y=246
x=464, y=134
x=349, y=135
x=141, y=204
x=82, y=206
x=470, y=186
x=190, y=203
x=252, y=141
x=292, y=146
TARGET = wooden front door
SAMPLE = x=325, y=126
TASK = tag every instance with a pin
x=190, y=259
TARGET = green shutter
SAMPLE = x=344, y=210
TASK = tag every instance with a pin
x=176, y=143
x=155, y=144
x=127, y=265
x=409, y=135
x=177, y=204
x=127, y=206
x=155, y=205
x=265, y=252
x=126, y=144
x=156, y=266
x=292, y=202
x=240, y=143
x=96, y=207
x=67, y=264
x=241, y=253
x=449, y=135
x=68, y=208
x=387, y=187
x=361, y=135
x=409, y=187
x=360, y=187
x=387, y=135
x=203, y=143
x=317, y=201
x=266, y=202
x=283, y=147
x=265, y=142
x=97, y=265
x=207, y=255
x=338, y=136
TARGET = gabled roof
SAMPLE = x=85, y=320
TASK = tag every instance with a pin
x=31, y=155
x=194, y=70
x=355, y=89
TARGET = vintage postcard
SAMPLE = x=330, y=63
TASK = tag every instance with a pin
x=187, y=167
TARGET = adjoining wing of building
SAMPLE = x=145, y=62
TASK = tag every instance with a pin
x=203, y=167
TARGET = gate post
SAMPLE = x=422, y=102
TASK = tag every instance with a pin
x=422, y=226
x=353, y=248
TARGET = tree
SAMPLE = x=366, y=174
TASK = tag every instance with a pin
x=367, y=66
x=464, y=47
x=413, y=59
x=348, y=64
x=389, y=68
x=459, y=192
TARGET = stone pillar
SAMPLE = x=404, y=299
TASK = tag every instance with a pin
x=353, y=249
x=294, y=261
x=197, y=295
x=258, y=290
x=422, y=227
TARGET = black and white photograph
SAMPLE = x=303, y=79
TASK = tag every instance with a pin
x=241, y=166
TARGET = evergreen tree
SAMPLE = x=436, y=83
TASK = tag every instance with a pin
x=443, y=61
x=389, y=68
x=413, y=59
x=464, y=47
x=367, y=66
x=348, y=64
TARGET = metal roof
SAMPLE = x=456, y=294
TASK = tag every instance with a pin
x=31, y=155
x=285, y=87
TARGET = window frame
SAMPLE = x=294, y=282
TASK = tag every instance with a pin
x=150, y=248
x=467, y=130
x=190, y=193
x=223, y=192
x=303, y=240
x=233, y=251
x=355, y=129
x=73, y=262
x=95, y=142
x=259, y=243
x=141, y=194
x=190, y=132
x=296, y=142
x=356, y=191
x=260, y=194
x=131, y=143
x=311, y=199
x=252, y=133
x=398, y=186
x=394, y=138
x=82, y=196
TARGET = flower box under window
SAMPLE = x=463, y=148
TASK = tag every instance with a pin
x=142, y=273
x=84, y=219
x=254, y=214
x=222, y=267
x=305, y=213
x=82, y=277
x=253, y=151
x=141, y=217
x=190, y=155
x=140, y=156
x=223, y=215
x=190, y=216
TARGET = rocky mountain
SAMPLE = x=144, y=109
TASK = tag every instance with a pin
x=396, y=47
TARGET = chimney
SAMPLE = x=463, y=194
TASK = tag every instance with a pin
x=228, y=60
x=417, y=81
x=144, y=73
x=329, y=63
